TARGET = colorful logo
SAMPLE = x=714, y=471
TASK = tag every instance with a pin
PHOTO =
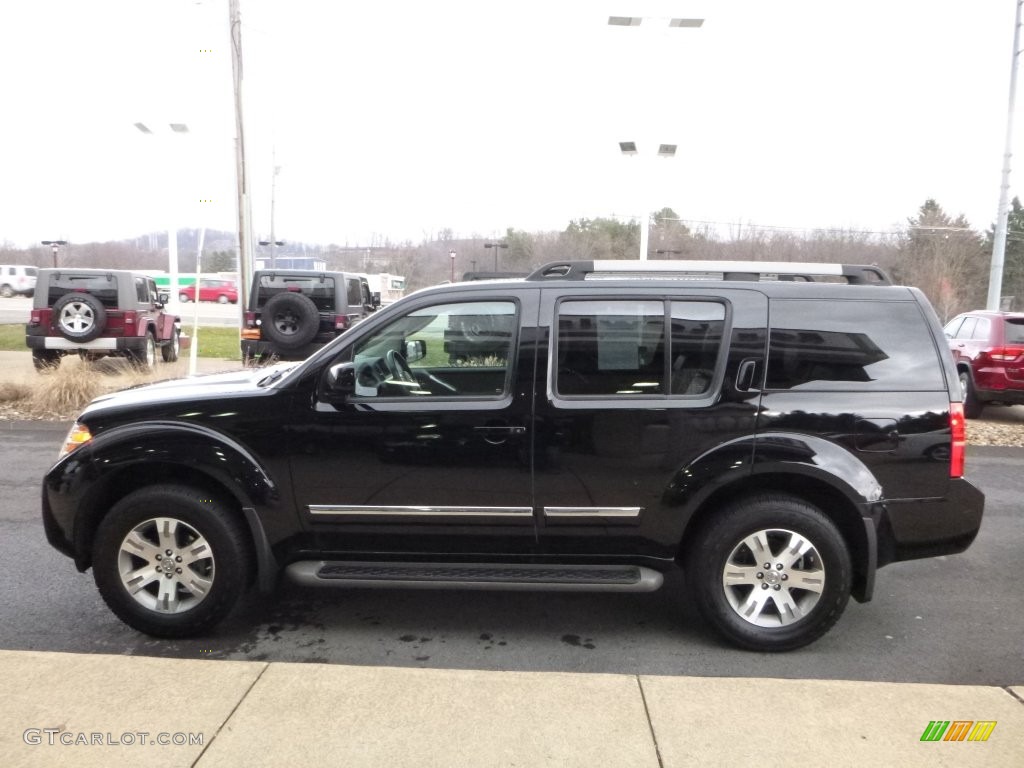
x=958, y=730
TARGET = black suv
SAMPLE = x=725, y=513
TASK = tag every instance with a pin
x=778, y=439
x=292, y=313
x=98, y=312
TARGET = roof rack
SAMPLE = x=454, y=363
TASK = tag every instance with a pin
x=855, y=274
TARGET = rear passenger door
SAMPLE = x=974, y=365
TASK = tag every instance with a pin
x=637, y=386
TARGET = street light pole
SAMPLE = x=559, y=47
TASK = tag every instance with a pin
x=995, y=278
x=629, y=149
x=495, y=246
x=172, y=231
x=55, y=244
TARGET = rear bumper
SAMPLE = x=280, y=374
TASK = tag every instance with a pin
x=254, y=350
x=915, y=528
x=108, y=344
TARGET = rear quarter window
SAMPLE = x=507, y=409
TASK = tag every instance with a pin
x=851, y=346
x=1014, y=331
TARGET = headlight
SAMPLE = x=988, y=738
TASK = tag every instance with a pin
x=79, y=434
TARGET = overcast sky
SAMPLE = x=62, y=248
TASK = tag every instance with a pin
x=400, y=119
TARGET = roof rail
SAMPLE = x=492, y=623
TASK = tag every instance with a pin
x=855, y=274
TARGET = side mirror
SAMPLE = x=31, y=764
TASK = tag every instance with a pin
x=164, y=297
x=341, y=379
x=415, y=350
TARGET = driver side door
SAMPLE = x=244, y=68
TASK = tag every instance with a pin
x=427, y=451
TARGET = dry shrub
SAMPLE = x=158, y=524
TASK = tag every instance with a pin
x=14, y=392
x=70, y=387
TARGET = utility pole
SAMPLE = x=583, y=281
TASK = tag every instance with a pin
x=244, y=217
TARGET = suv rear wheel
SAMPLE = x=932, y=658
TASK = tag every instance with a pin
x=170, y=561
x=170, y=350
x=770, y=573
x=146, y=357
x=45, y=359
x=80, y=316
x=972, y=405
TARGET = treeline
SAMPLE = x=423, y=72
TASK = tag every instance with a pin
x=941, y=254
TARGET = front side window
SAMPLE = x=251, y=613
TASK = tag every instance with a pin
x=451, y=350
x=620, y=348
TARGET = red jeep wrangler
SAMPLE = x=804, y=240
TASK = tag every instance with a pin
x=98, y=312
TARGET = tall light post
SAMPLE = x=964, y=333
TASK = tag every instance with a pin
x=495, y=246
x=273, y=244
x=995, y=278
x=451, y=256
x=55, y=245
x=172, y=231
x=629, y=149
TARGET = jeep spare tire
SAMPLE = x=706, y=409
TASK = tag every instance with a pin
x=79, y=316
x=290, y=320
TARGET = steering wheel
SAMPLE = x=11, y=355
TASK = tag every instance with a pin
x=398, y=367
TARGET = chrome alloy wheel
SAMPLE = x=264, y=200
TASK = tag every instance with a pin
x=773, y=578
x=77, y=317
x=166, y=565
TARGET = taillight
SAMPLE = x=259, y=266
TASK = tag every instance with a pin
x=340, y=322
x=36, y=317
x=129, y=317
x=1006, y=354
x=958, y=428
x=250, y=319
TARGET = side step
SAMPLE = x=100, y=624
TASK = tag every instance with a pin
x=491, y=576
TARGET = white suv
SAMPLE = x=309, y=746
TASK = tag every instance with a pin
x=17, y=280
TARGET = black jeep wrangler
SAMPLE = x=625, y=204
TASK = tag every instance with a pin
x=99, y=312
x=778, y=431
x=293, y=312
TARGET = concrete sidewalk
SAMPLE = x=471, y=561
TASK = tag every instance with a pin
x=93, y=710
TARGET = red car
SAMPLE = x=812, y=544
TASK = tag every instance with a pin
x=221, y=291
x=988, y=348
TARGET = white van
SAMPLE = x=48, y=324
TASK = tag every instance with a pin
x=17, y=280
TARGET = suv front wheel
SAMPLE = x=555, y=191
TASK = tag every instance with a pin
x=170, y=561
x=770, y=573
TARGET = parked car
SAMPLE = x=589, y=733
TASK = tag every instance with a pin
x=17, y=280
x=294, y=312
x=210, y=289
x=98, y=312
x=988, y=348
x=778, y=440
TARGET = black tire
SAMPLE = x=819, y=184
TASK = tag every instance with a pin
x=170, y=350
x=79, y=316
x=183, y=298
x=145, y=359
x=223, y=299
x=6, y=291
x=290, y=320
x=45, y=360
x=198, y=594
x=736, y=611
x=972, y=405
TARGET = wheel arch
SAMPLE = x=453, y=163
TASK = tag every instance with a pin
x=122, y=461
x=838, y=504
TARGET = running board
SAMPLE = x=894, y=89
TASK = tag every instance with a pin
x=490, y=576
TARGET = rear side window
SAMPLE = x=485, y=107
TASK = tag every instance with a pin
x=851, y=346
x=631, y=348
x=1014, y=331
x=355, y=296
